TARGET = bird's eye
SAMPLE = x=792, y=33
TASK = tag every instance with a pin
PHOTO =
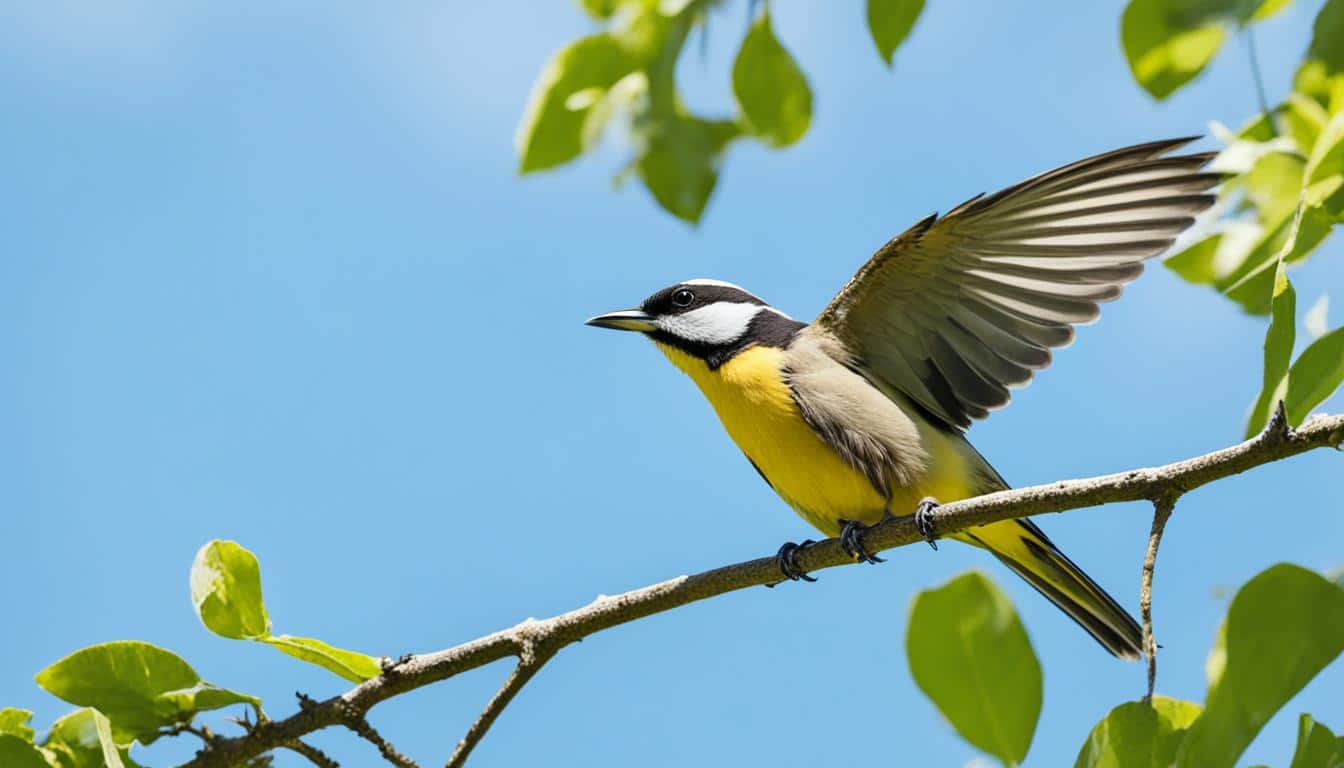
x=683, y=298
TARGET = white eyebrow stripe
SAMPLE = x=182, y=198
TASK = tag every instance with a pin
x=718, y=323
x=712, y=281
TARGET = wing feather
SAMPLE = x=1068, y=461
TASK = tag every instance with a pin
x=956, y=310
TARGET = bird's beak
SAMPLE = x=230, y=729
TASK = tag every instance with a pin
x=625, y=320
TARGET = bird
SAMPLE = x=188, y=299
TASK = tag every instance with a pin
x=862, y=413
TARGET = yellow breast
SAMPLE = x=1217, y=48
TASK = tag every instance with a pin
x=757, y=409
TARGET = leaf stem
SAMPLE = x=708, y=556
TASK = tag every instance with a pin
x=1259, y=81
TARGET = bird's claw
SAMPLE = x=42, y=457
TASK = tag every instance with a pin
x=851, y=540
x=788, y=565
x=924, y=521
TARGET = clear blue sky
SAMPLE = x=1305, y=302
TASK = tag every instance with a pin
x=269, y=275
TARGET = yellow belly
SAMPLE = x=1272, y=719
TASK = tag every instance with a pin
x=757, y=409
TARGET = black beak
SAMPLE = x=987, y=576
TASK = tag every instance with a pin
x=625, y=320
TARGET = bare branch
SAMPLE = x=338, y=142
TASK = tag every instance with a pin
x=354, y=719
x=315, y=756
x=529, y=663
x=360, y=725
x=1274, y=443
x=1162, y=508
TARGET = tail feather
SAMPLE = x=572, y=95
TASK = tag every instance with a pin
x=1024, y=548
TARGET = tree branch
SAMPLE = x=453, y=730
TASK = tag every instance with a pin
x=355, y=720
x=1162, y=509
x=528, y=665
x=1275, y=443
x=315, y=756
x=360, y=725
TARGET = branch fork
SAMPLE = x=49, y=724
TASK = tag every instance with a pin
x=535, y=642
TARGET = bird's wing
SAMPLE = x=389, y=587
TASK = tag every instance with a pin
x=957, y=309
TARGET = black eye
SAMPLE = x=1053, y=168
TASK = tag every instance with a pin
x=683, y=297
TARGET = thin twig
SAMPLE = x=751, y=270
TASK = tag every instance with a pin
x=360, y=725
x=1162, y=508
x=1274, y=443
x=529, y=663
x=315, y=756
x=201, y=732
x=1259, y=80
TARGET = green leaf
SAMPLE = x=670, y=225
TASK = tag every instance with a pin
x=16, y=752
x=123, y=680
x=969, y=653
x=111, y=755
x=1316, y=374
x=355, y=667
x=1198, y=263
x=890, y=22
x=1241, y=261
x=551, y=131
x=1279, y=341
x=1293, y=240
x=774, y=96
x=204, y=696
x=1269, y=8
x=1284, y=626
x=1304, y=119
x=680, y=163
x=226, y=590
x=138, y=686
x=1166, y=52
x=1327, y=39
x=75, y=741
x=1274, y=185
x=601, y=9
x=620, y=98
x=1192, y=13
x=1324, y=170
x=1315, y=81
x=1138, y=735
x=15, y=721
x=1317, y=747
x=1259, y=130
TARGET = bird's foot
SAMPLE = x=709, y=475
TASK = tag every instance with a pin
x=788, y=565
x=924, y=521
x=851, y=540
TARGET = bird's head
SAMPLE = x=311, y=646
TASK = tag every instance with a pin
x=707, y=319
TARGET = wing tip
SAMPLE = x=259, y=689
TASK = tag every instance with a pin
x=1181, y=141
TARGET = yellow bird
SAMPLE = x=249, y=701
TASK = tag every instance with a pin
x=861, y=414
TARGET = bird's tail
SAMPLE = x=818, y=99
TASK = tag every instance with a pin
x=1024, y=548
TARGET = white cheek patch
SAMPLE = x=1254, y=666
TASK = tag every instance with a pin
x=718, y=323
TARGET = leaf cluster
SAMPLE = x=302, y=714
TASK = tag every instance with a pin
x=970, y=654
x=131, y=692
x=1284, y=193
x=627, y=73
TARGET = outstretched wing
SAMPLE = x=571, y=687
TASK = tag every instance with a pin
x=957, y=309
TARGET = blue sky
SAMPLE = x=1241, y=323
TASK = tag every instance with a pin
x=269, y=274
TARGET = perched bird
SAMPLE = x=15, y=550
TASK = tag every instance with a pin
x=861, y=413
